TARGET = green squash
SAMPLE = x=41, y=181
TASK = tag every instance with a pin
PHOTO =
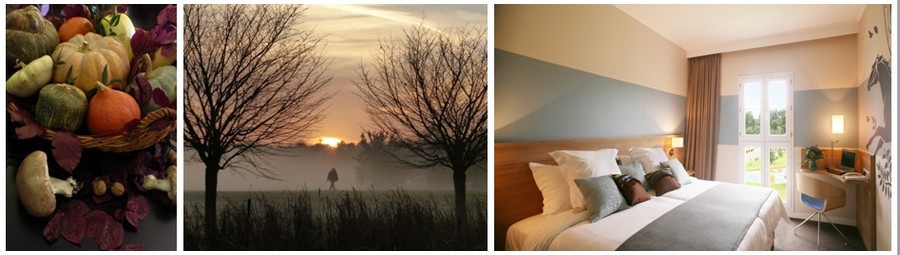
x=28, y=35
x=61, y=107
x=160, y=78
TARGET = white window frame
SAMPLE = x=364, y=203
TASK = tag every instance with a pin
x=765, y=141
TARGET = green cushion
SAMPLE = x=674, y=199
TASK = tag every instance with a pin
x=637, y=172
x=601, y=196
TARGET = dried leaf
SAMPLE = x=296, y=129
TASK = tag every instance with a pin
x=168, y=16
x=73, y=228
x=30, y=128
x=76, y=10
x=161, y=99
x=66, y=150
x=75, y=208
x=136, y=209
x=52, y=230
x=108, y=233
x=140, y=89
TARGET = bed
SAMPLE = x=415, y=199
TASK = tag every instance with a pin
x=521, y=226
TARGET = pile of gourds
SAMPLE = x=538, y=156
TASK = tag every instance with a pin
x=78, y=76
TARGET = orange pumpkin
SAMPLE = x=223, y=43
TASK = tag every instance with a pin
x=110, y=110
x=74, y=26
x=86, y=59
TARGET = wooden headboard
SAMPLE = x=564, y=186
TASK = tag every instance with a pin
x=516, y=196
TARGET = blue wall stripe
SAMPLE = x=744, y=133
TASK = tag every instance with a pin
x=554, y=102
x=812, y=117
x=728, y=120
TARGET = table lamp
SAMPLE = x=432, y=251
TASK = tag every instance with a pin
x=837, y=128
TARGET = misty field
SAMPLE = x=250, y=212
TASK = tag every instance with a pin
x=337, y=220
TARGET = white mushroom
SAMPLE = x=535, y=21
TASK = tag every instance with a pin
x=37, y=190
x=167, y=185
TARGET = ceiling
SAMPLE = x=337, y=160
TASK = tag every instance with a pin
x=708, y=29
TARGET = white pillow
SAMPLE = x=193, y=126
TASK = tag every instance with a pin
x=678, y=171
x=584, y=164
x=648, y=157
x=553, y=187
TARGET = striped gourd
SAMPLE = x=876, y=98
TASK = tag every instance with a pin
x=61, y=107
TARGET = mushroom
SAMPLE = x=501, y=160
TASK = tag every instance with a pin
x=37, y=190
x=169, y=186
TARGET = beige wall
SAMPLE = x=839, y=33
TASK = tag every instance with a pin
x=599, y=39
x=871, y=104
x=818, y=64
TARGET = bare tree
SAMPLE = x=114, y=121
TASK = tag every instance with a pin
x=254, y=82
x=428, y=91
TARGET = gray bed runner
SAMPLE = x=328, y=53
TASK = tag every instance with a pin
x=715, y=220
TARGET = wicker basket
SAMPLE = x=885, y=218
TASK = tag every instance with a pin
x=142, y=136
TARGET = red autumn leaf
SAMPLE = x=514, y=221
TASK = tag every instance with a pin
x=52, y=230
x=161, y=99
x=66, y=150
x=108, y=233
x=93, y=219
x=75, y=208
x=73, y=228
x=76, y=10
x=112, y=237
x=30, y=128
x=136, y=209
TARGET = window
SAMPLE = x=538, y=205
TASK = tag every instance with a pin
x=766, y=132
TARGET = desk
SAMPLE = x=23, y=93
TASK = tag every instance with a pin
x=865, y=193
x=839, y=177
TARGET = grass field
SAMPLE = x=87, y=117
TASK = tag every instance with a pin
x=779, y=164
x=337, y=220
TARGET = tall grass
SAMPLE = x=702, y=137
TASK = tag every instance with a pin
x=350, y=220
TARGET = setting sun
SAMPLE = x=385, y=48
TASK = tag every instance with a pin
x=330, y=141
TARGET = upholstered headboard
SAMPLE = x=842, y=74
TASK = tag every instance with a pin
x=516, y=196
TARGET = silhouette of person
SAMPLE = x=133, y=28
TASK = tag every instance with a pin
x=332, y=177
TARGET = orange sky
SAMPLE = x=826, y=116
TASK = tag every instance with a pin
x=351, y=34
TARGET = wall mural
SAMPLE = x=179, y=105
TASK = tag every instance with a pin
x=880, y=138
x=881, y=125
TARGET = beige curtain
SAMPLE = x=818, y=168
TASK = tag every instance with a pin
x=702, y=125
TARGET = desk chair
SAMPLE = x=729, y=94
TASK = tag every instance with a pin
x=822, y=197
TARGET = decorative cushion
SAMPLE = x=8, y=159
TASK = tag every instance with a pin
x=677, y=170
x=553, y=186
x=662, y=182
x=631, y=188
x=636, y=171
x=601, y=196
x=648, y=157
x=584, y=164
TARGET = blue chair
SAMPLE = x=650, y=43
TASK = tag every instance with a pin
x=821, y=196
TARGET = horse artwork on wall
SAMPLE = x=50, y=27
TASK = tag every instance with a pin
x=880, y=139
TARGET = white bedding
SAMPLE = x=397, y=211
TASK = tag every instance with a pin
x=572, y=231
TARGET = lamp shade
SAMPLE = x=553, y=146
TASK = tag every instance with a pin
x=837, y=124
x=678, y=142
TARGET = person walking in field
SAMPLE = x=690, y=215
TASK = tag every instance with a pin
x=332, y=177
